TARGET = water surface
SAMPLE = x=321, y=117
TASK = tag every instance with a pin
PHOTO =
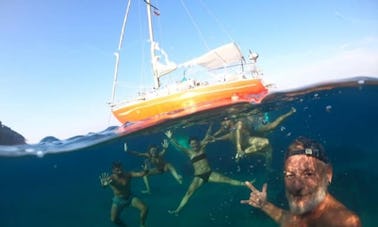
x=55, y=183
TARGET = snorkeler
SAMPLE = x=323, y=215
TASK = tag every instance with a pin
x=120, y=182
x=156, y=159
x=202, y=170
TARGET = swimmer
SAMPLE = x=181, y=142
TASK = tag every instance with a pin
x=202, y=170
x=156, y=159
x=120, y=182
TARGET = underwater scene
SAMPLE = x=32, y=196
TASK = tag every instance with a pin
x=56, y=183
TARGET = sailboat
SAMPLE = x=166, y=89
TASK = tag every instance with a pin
x=219, y=78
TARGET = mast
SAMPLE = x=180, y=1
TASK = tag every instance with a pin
x=154, y=58
x=117, y=53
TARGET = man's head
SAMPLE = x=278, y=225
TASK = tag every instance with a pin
x=307, y=175
x=117, y=168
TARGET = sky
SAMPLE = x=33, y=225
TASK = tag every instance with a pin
x=57, y=57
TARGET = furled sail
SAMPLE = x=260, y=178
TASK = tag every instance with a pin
x=161, y=63
x=217, y=58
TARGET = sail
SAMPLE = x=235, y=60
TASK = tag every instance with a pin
x=161, y=63
x=220, y=57
x=164, y=69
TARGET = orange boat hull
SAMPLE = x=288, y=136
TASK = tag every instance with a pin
x=191, y=101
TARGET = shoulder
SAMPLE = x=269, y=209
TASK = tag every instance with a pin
x=341, y=216
x=352, y=220
x=349, y=218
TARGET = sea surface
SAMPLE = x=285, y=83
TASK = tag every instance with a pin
x=55, y=183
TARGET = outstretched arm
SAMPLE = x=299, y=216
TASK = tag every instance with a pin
x=169, y=135
x=165, y=145
x=227, y=136
x=221, y=134
x=220, y=131
x=258, y=199
x=271, y=126
x=105, y=179
x=208, y=137
x=125, y=148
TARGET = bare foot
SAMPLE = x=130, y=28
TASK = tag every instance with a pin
x=239, y=155
x=146, y=192
x=179, y=179
x=174, y=212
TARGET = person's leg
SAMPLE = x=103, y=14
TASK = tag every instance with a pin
x=240, y=134
x=153, y=171
x=147, y=184
x=268, y=153
x=219, y=178
x=142, y=207
x=196, y=183
x=115, y=214
x=256, y=144
x=261, y=146
x=174, y=173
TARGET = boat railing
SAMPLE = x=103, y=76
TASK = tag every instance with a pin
x=195, y=77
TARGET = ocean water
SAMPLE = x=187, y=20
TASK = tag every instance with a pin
x=55, y=183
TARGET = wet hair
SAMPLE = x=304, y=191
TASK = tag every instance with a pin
x=309, y=147
x=116, y=164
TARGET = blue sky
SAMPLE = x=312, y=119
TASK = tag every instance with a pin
x=56, y=57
